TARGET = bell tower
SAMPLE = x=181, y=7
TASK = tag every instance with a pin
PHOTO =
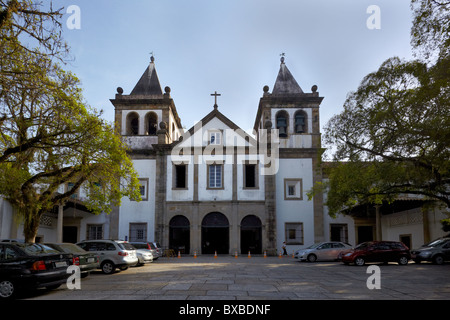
x=295, y=115
x=147, y=116
x=290, y=110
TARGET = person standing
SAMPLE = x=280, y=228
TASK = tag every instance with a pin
x=284, y=248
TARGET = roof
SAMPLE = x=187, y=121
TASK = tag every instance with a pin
x=148, y=84
x=215, y=113
x=285, y=83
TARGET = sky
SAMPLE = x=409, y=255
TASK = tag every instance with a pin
x=232, y=47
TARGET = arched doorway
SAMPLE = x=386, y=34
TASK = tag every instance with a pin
x=251, y=235
x=215, y=233
x=179, y=234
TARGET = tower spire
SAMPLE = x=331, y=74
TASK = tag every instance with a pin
x=148, y=84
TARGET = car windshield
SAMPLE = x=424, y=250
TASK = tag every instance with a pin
x=315, y=245
x=139, y=245
x=71, y=248
x=126, y=246
x=436, y=243
x=362, y=245
x=35, y=249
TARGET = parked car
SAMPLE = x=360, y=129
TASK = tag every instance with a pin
x=12, y=240
x=87, y=261
x=149, y=246
x=144, y=256
x=112, y=254
x=25, y=266
x=378, y=251
x=159, y=250
x=322, y=251
x=437, y=251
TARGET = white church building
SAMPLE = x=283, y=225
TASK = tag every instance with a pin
x=216, y=189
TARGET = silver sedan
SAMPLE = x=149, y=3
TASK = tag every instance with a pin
x=324, y=251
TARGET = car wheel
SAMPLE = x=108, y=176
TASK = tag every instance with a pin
x=403, y=261
x=108, y=267
x=7, y=289
x=359, y=261
x=438, y=259
x=312, y=258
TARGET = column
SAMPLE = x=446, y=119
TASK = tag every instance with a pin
x=378, y=223
x=59, y=225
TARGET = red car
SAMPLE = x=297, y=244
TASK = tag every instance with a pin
x=378, y=251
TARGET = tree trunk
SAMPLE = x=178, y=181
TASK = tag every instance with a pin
x=31, y=225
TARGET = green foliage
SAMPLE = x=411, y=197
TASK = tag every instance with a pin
x=49, y=135
x=393, y=136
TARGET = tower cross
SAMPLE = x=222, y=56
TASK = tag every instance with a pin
x=215, y=94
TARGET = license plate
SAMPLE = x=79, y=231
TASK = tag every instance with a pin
x=60, y=264
x=90, y=260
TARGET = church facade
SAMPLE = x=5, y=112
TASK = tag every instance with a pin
x=214, y=188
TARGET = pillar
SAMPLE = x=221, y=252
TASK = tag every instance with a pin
x=378, y=223
x=59, y=225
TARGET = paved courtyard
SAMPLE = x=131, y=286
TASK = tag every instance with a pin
x=258, y=278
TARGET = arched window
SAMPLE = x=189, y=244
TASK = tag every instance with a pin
x=151, y=120
x=282, y=123
x=300, y=122
x=133, y=123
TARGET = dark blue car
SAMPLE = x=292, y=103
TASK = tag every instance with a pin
x=25, y=266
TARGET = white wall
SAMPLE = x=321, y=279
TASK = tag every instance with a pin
x=6, y=216
x=180, y=194
x=143, y=211
x=295, y=210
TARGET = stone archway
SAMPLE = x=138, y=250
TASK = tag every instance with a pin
x=215, y=234
x=251, y=235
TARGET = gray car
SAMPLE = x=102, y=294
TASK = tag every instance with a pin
x=112, y=254
x=324, y=251
x=437, y=251
x=147, y=246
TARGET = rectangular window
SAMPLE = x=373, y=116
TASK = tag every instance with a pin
x=215, y=176
x=293, y=189
x=215, y=137
x=180, y=176
x=143, y=188
x=294, y=232
x=250, y=176
x=138, y=232
x=94, y=232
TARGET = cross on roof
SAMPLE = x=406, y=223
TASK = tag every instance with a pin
x=215, y=94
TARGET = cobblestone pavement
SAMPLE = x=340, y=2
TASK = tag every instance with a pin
x=258, y=278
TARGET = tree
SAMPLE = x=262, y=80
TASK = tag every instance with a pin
x=431, y=28
x=393, y=135
x=50, y=137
